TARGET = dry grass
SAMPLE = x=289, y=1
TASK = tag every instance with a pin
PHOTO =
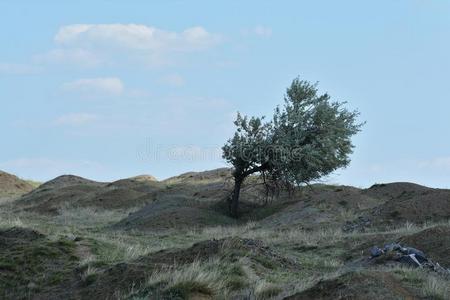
x=347, y=215
x=89, y=275
x=89, y=216
x=436, y=288
x=11, y=222
x=313, y=280
x=198, y=277
x=119, y=248
x=267, y=290
x=409, y=275
x=209, y=278
x=432, y=285
x=271, y=236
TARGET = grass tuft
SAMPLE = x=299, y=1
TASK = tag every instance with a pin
x=267, y=290
x=436, y=288
x=197, y=277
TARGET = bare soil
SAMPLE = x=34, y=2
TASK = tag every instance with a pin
x=360, y=285
x=72, y=191
x=12, y=186
x=434, y=242
x=38, y=266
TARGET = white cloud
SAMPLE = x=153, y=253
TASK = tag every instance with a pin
x=93, y=44
x=436, y=163
x=76, y=119
x=79, y=57
x=108, y=86
x=259, y=30
x=18, y=69
x=135, y=36
x=173, y=80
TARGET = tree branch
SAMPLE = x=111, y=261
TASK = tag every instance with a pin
x=255, y=169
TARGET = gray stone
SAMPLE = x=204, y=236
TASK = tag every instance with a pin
x=392, y=247
x=375, y=252
x=416, y=252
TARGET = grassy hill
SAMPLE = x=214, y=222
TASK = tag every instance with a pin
x=139, y=238
x=11, y=186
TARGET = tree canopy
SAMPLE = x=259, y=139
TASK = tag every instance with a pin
x=307, y=138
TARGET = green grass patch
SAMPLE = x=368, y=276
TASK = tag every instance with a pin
x=31, y=262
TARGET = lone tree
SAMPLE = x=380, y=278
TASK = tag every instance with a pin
x=309, y=137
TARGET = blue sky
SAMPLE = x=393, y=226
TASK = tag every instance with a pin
x=111, y=89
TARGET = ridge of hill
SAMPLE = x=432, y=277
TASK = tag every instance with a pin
x=12, y=186
x=199, y=199
x=139, y=238
x=74, y=191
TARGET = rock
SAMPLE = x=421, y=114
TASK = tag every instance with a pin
x=375, y=252
x=392, y=247
x=410, y=260
x=410, y=256
x=416, y=252
x=360, y=224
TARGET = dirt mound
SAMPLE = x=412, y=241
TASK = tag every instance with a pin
x=322, y=206
x=72, y=191
x=174, y=212
x=418, y=206
x=190, y=200
x=361, y=285
x=144, y=178
x=17, y=234
x=216, y=174
x=34, y=267
x=227, y=249
x=395, y=190
x=434, y=242
x=50, y=197
x=339, y=196
x=399, y=203
x=122, y=276
x=68, y=180
x=382, y=205
x=214, y=184
x=144, y=183
x=211, y=185
x=12, y=186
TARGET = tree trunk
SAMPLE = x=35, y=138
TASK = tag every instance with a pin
x=234, y=204
x=239, y=176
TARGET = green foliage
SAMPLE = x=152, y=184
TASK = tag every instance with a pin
x=308, y=138
x=251, y=137
x=312, y=134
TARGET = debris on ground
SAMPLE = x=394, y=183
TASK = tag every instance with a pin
x=406, y=255
x=359, y=225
